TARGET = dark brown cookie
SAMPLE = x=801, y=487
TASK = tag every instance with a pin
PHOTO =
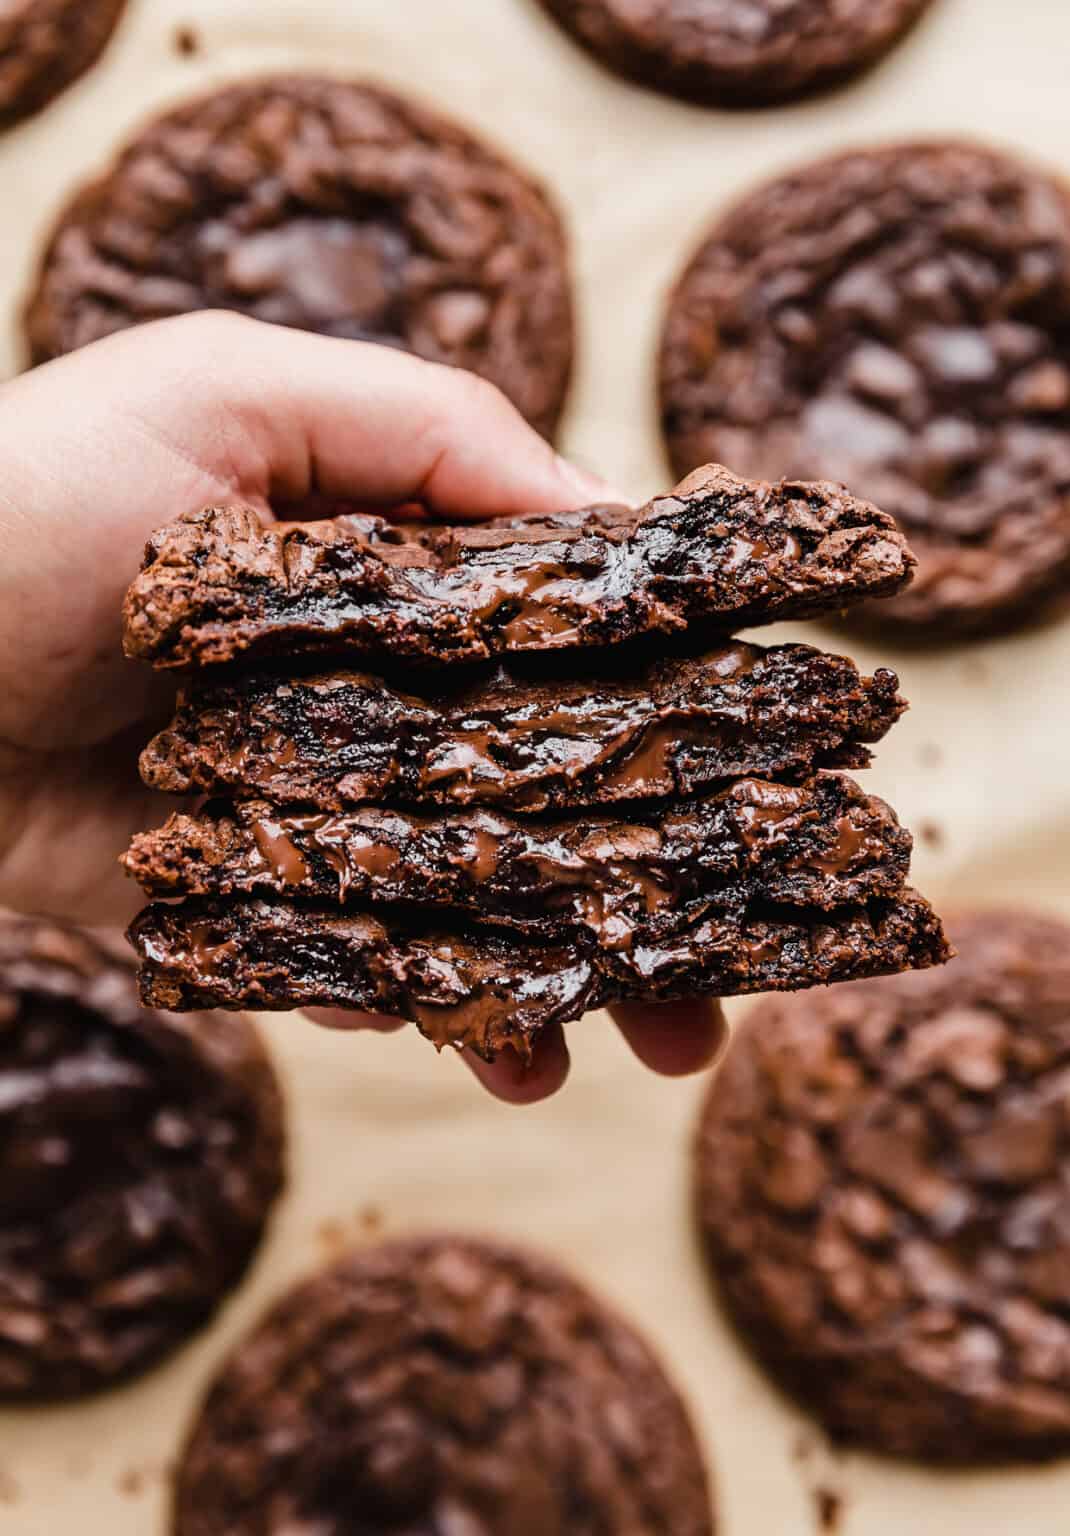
x=139, y=1157
x=45, y=45
x=737, y=52
x=493, y=990
x=442, y=1385
x=329, y=206
x=632, y=882
x=882, y=1178
x=220, y=584
x=627, y=729
x=897, y=319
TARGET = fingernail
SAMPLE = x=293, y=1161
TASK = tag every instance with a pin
x=589, y=488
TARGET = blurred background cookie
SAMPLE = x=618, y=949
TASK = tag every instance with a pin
x=140, y=1155
x=741, y=52
x=882, y=1183
x=45, y=45
x=898, y=319
x=330, y=206
x=442, y=1384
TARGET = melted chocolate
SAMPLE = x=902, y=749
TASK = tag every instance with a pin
x=220, y=584
x=820, y=844
x=525, y=740
x=492, y=991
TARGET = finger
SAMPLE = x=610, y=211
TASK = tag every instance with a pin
x=64, y=820
x=673, y=1039
x=346, y=1018
x=348, y=419
x=515, y=1082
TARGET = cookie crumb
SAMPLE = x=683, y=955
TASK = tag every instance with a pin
x=931, y=834
x=803, y=1447
x=187, y=42
x=332, y=1237
x=371, y=1220
x=131, y=1482
x=829, y=1506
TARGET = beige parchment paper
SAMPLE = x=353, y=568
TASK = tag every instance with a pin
x=384, y=1135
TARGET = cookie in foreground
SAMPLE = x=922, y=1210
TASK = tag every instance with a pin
x=442, y=1384
x=490, y=989
x=220, y=584
x=635, y=882
x=331, y=206
x=898, y=319
x=737, y=52
x=881, y=1179
x=580, y=734
x=140, y=1156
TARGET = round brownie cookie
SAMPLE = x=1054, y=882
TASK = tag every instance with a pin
x=897, y=319
x=883, y=1182
x=329, y=206
x=737, y=52
x=45, y=45
x=442, y=1385
x=139, y=1155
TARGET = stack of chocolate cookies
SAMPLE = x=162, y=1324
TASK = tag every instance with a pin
x=578, y=790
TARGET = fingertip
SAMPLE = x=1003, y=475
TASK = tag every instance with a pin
x=673, y=1039
x=585, y=488
x=515, y=1081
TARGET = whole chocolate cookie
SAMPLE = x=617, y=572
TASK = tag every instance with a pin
x=442, y=1385
x=139, y=1157
x=326, y=205
x=882, y=1179
x=743, y=52
x=898, y=319
x=45, y=45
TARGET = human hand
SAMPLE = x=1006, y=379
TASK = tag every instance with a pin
x=101, y=447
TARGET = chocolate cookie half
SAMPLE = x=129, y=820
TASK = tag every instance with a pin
x=326, y=205
x=615, y=882
x=527, y=740
x=442, y=1384
x=139, y=1157
x=491, y=990
x=45, y=45
x=898, y=319
x=220, y=584
x=882, y=1179
x=737, y=52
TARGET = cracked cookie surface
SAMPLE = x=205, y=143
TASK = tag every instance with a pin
x=881, y=1178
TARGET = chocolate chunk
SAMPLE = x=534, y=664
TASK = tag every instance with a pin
x=491, y=990
x=882, y=1183
x=621, y=884
x=898, y=319
x=45, y=45
x=329, y=206
x=529, y=742
x=737, y=52
x=449, y=1386
x=220, y=584
x=139, y=1157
